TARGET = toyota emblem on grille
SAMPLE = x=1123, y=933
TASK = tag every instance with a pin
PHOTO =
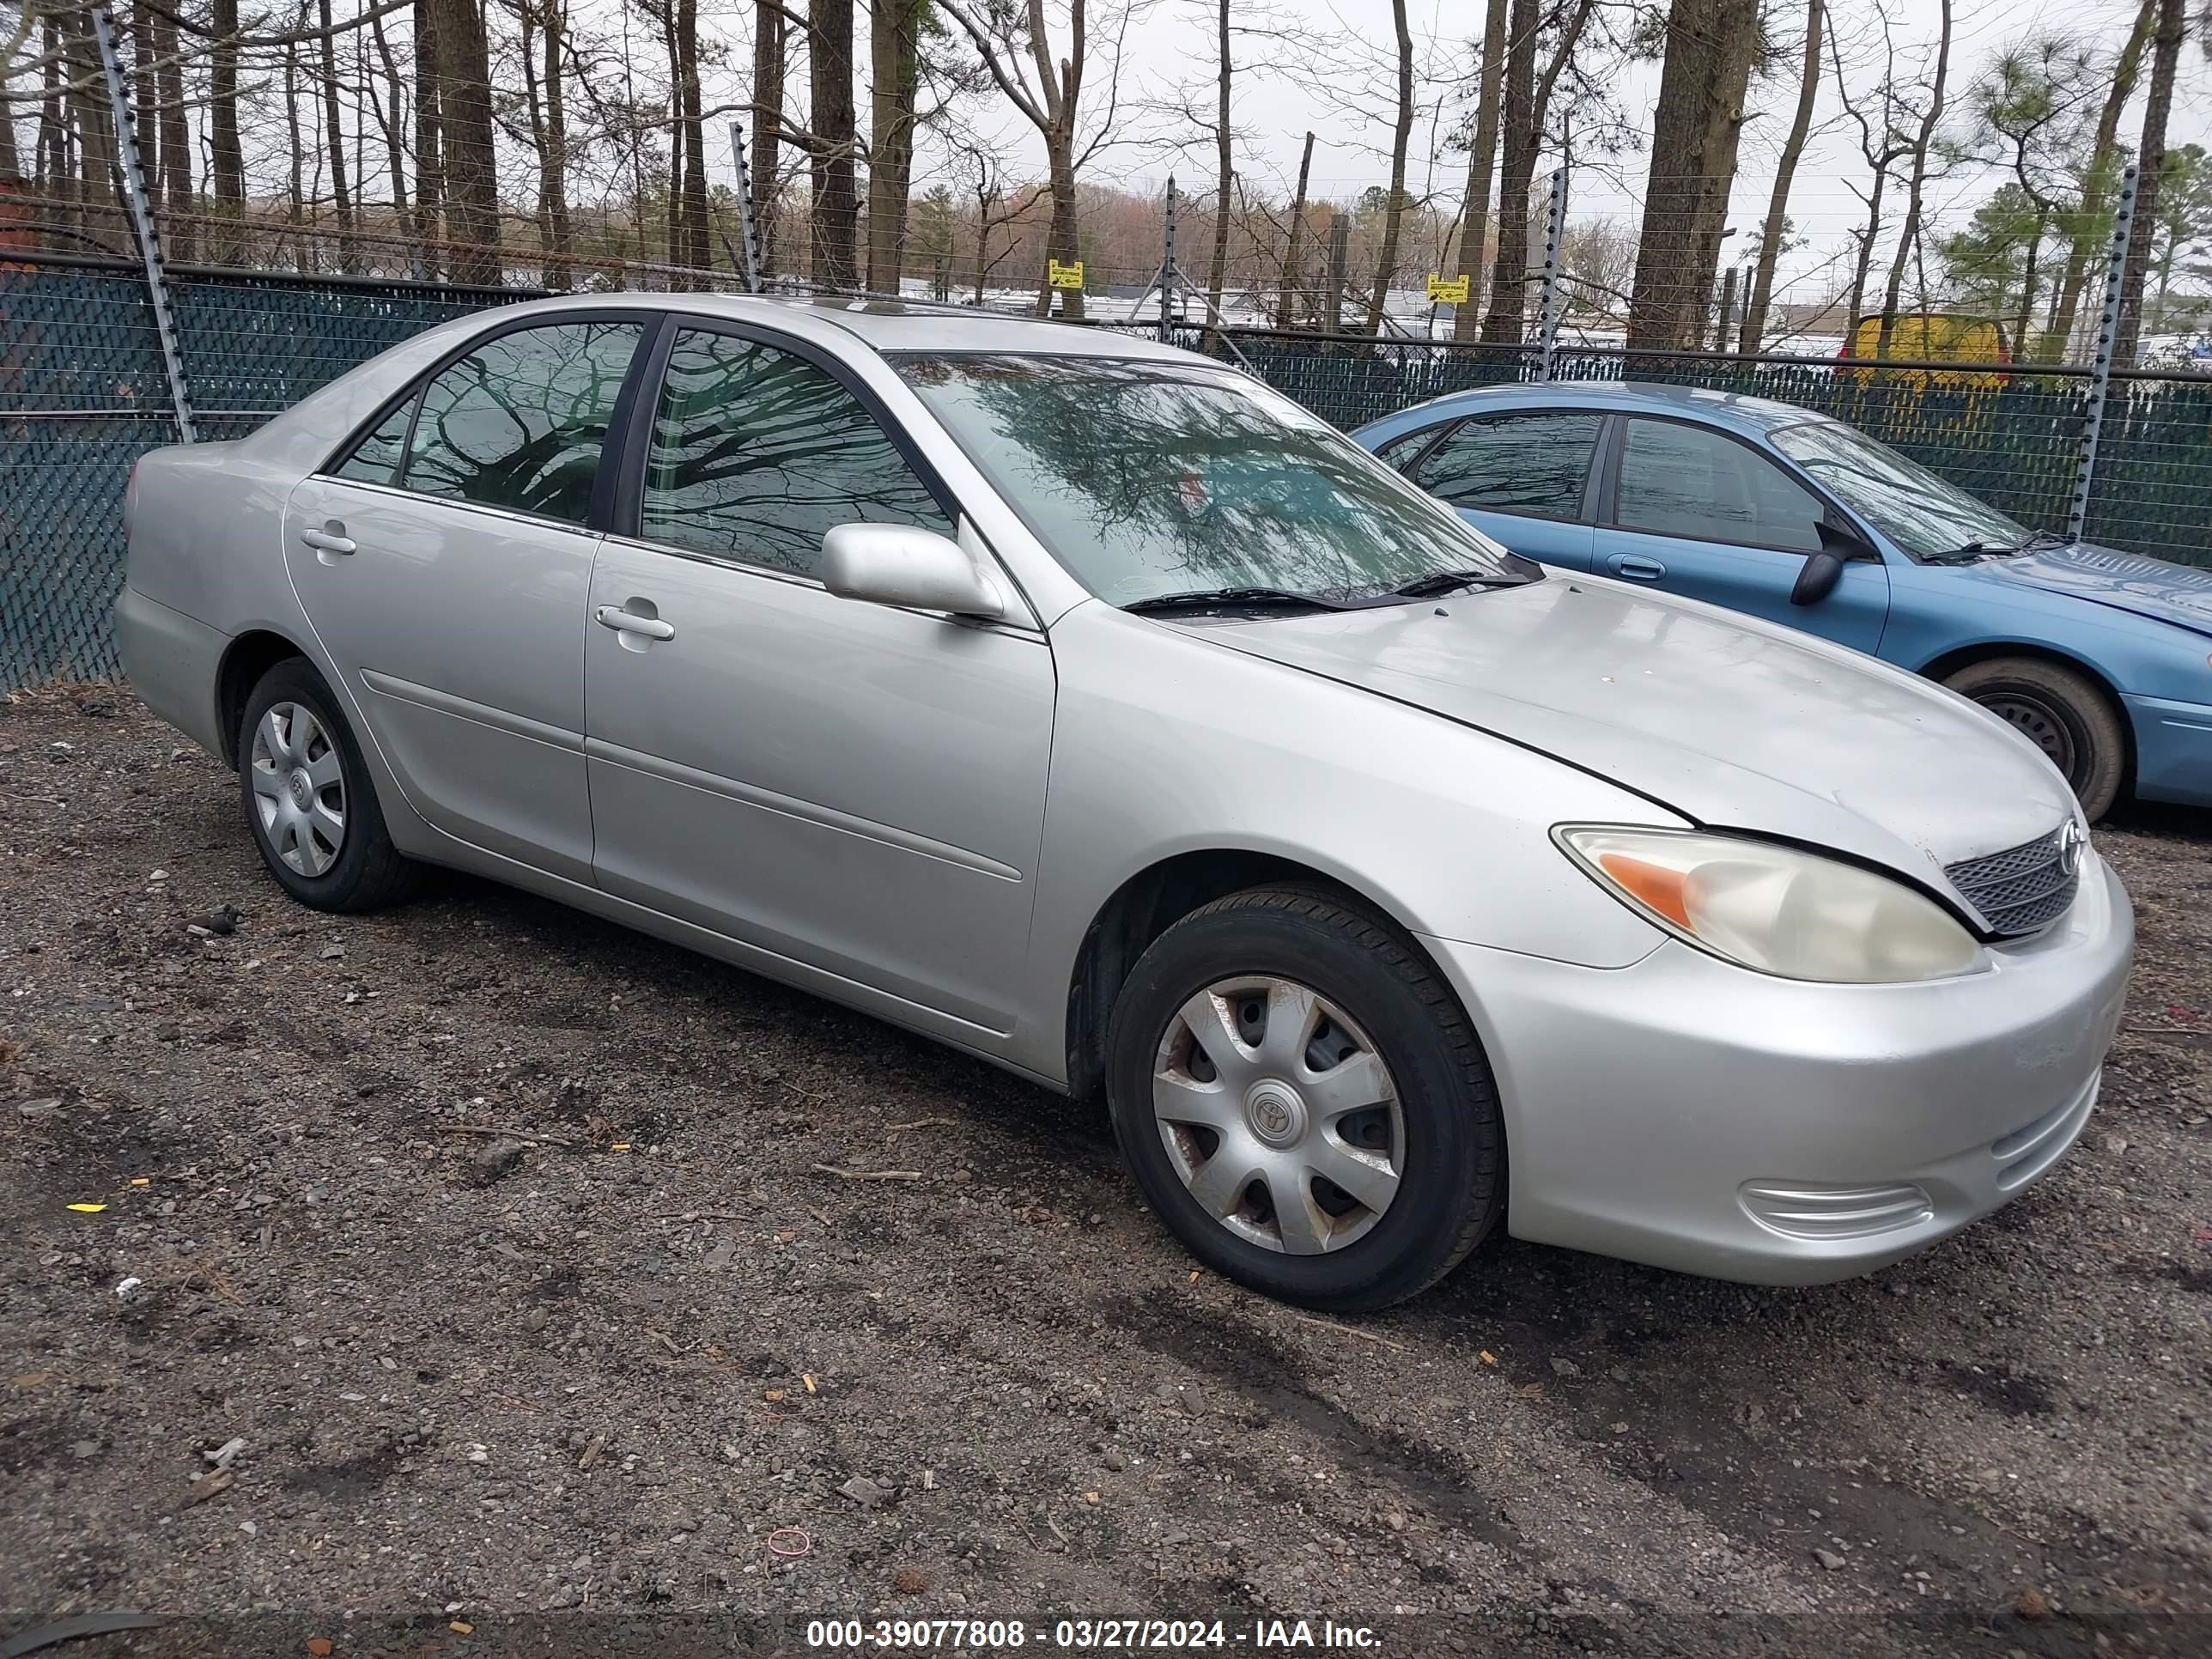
x=2071, y=841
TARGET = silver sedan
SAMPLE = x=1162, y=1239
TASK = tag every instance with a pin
x=1093, y=709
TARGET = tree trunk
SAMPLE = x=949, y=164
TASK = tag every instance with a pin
x=1785, y=171
x=295, y=154
x=226, y=154
x=553, y=155
x=696, y=249
x=1509, y=276
x=1286, y=313
x=1738, y=26
x=837, y=207
x=55, y=178
x=2028, y=287
x=12, y=160
x=1481, y=161
x=95, y=135
x=1217, y=270
x=1065, y=241
x=894, y=64
x=334, y=130
x=766, y=124
x=429, y=142
x=176, y=144
x=470, y=186
x=1393, y=217
x=2166, y=58
x=1710, y=44
x=1909, y=233
x=2085, y=231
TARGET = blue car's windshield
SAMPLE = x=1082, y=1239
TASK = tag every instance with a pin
x=1919, y=510
x=1152, y=479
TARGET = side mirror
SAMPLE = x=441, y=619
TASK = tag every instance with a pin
x=917, y=569
x=1824, y=569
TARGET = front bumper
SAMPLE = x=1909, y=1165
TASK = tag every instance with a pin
x=1696, y=1115
x=2174, y=749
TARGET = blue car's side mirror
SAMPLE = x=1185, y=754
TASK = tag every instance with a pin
x=1825, y=568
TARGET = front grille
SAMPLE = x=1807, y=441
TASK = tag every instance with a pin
x=2025, y=887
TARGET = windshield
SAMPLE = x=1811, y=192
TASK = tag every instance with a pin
x=1147, y=479
x=1925, y=516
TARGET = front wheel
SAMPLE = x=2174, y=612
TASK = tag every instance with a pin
x=2068, y=718
x=1301, y=1099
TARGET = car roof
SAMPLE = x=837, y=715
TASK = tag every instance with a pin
x=905, y=325
x=1705, y=403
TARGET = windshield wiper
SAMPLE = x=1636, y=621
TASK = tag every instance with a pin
x=1206, y=599
x=1443, y=581
x=1979, y=550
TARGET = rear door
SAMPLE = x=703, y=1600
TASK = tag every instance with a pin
x=853, y=786
x=1699, y=511
x=1521, y=478
x=444, y=561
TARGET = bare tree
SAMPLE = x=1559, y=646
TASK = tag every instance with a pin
x=1785, y=174
x=1286, y=313
x=835, y=216
x=2085, y=226
x=768, y=26
x=1481, y=162
x=1908, y=239
x=895, y=58
x=471, y=182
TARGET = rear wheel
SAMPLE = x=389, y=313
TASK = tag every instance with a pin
x=308, y=801
x=2066, y=715
x=1301, y=1099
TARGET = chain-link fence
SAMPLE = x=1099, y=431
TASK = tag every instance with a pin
x=83, y=392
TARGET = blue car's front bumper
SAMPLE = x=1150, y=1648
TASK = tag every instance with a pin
x=2174, y=749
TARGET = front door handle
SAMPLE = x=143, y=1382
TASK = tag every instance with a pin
x=1636, y=566
x=331, y=538
x=628, y=621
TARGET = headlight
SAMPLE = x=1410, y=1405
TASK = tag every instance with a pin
x=1776, y=910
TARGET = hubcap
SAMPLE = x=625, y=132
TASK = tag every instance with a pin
x=299, y=788
x=2040, y=721
x=1279, y=1114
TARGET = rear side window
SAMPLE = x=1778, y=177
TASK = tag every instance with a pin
x=1687, y=480
x=518, y=424
x=757, y=454
x=1535, y=463
x=377, y=457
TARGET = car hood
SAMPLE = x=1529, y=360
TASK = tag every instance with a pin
x=1730, y=723
x=2170, y=592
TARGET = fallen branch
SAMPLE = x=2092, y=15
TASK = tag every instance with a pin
x=926, y=1123
x=506, y=1134
x=868, y=1174
x=1349, y=1330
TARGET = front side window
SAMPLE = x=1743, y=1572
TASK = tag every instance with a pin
x=518, y=422
x=1535, y=463
x=1148, y=479
x=757, y=454
x=1679, y=480
x=1924, y=514
x=377, y=457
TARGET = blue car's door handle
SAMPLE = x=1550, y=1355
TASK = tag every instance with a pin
x=1636, y=566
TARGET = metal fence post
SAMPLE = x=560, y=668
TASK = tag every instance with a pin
x=2100, y=376
x=133, y=169
x=1168, y=265
x=748, y=244
x=1552, y=304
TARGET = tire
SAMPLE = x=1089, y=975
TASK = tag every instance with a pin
x=2064, y=713
x=298, y=777
x=1439, y=1131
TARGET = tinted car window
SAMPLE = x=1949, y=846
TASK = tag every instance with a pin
x=376, y=459
x=1532, y=463
x=1403, y=447
x=1687, y=480
x=1923, y=513
x=519, y=422
x=758, y=453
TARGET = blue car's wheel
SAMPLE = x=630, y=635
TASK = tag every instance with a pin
x=2064, y=713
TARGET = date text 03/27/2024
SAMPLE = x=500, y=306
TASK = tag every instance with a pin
x=1091, y=1635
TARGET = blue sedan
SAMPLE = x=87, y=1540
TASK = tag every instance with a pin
x=2101, y=657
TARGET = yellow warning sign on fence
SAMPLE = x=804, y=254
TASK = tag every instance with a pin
x=1447, y=290
x=1062, y=275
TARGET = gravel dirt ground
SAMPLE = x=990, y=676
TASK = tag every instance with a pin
x=513, y=1249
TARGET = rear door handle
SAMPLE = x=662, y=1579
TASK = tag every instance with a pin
x=1636, y=566
x=328, y=540
x=626, y=622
